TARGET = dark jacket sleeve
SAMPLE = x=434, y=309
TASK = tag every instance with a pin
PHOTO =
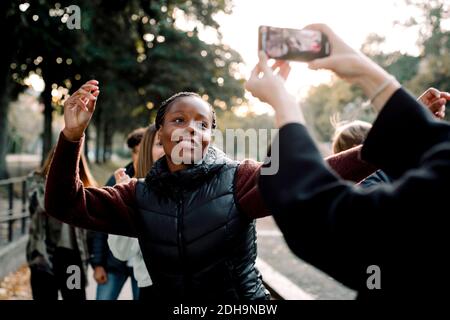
x=248, y=197
x=405, y=130
x=336, y=226
x=98, y=241
x=100, y=255
x=107, y=209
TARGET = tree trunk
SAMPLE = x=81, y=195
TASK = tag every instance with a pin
x=4, y=102
x=6, y=26
x=48, y=110
x=98, y=130
x=86, y=144
x=105, y=142
x=109, y=144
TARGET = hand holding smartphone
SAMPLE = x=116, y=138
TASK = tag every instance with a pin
x=293, y=44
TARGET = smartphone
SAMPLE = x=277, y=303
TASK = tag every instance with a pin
x=293, y=44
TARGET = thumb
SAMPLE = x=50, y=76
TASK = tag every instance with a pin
x=322, y=63
x=262, y=64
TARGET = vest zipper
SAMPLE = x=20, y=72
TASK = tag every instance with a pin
x=181, y=248
x=180, y=227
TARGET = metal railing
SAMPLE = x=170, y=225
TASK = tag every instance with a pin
x=13, y=208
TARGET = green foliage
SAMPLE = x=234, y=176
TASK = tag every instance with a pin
x=430, y=69
x=327, y=101
x=133, y=48
x=434, y=67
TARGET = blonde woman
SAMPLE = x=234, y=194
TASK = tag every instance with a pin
x=126, y=248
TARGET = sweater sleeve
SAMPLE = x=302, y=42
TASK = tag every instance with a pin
x=346, y=164
x=349, y=166
x=108, y=209
x=247, y=193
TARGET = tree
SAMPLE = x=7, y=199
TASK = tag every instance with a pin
x=8, y=20
x=44, y=47
x=134, y=48
x=340, y=99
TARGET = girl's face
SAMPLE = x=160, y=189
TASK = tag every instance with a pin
x=157, y=148
x=186, y=131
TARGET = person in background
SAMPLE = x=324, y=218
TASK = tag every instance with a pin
x=353, y=134
x=126, y=248
x=349, y=135
x=379, y=176
x=53, y=246
x=109, y=272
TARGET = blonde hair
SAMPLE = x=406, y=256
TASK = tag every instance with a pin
x=349, y=135
x=145, y=158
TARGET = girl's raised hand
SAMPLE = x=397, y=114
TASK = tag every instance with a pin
x=78, y=110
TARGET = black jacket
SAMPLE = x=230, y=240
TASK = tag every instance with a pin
x=399, y=227
x=100, y=255
x=196, y=243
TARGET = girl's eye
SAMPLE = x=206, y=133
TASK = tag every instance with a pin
x=178, y=120
x=202, y=125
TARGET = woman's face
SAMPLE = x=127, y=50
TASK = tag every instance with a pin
x=186, y=131
x=157, y=148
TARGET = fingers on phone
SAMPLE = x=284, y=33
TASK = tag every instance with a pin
x=285, y=69
x=319, y=27
x=317, y=64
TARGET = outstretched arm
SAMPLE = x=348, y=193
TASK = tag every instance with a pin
x=108, y=209
x=340, y=228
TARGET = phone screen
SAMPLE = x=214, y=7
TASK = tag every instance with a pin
x=292, y=44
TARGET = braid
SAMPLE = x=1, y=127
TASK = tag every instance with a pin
x=166, y=104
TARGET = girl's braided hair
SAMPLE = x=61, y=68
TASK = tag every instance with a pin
x=163, y=108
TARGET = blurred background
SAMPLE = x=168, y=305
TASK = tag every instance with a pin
x=143, y=51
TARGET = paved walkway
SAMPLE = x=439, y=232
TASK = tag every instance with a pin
x=272, y=249
x=278, y=264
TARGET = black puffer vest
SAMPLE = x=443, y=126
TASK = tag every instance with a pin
x=196, y=243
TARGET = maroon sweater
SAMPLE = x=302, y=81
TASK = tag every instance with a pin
x=113, y=209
